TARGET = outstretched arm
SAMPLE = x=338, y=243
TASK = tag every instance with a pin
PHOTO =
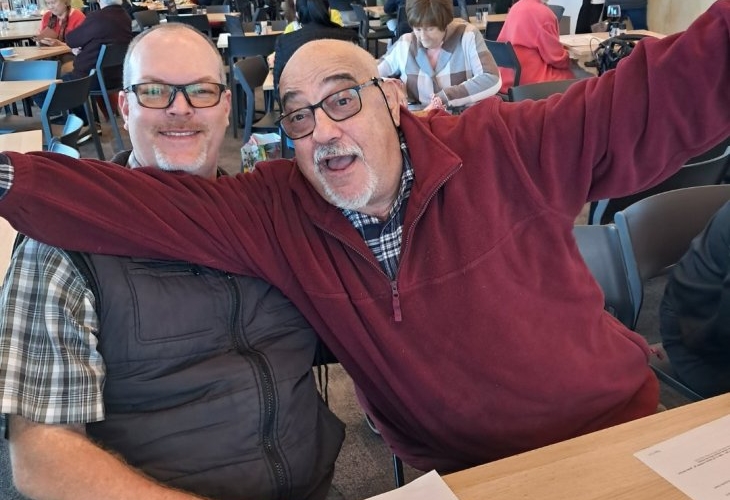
x=58, y=462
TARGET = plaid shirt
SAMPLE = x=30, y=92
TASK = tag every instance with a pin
x=51, y=370
x=384, y=239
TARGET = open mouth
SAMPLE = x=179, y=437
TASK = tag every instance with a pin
x=179, y=133
x=338, y=162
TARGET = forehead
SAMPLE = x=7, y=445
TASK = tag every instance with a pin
x=159, y=56
x=339, y=64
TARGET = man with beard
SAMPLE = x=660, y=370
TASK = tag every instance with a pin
x=139, y=378
x=434, y=255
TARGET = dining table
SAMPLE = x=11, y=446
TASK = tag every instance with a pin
x=13, y=91
x=34, y=53
x=19, y=31
x=582, y=46
x=596, y=466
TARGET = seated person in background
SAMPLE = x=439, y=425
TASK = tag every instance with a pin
x=390, y=16
x=150, y=377
x=589, y=14
x=444, y=62
x=315, y=23
x=108, y=25
x=334, y=17
x=532, y=28
x=59, y=19
x=695, y=310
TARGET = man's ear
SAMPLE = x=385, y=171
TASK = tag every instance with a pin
x=123, y=105
x=392, y=88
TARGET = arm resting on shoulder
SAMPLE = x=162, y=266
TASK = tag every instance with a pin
x=57, y=462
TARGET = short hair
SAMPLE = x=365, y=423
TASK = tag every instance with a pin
x=314, y=12
x=127, y=79
x=428, y=13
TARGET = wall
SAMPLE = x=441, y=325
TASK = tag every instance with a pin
x=671, y=16
x=664, y=16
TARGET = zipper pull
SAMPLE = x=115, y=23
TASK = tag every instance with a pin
x=395, y=298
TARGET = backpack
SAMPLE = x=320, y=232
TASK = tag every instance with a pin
x=611, y=51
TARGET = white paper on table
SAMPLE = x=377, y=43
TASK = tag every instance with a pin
x=429, y=486
x=697, y=462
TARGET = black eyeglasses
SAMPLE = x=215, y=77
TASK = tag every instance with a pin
x=156, y=95
x=338, y=106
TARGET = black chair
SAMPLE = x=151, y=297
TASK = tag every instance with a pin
x=493, y=29
x=537, y=91
x=12, y=71
x=241, y=47
x=402, y=27
x=234, y=25
x=601, y=250
x=61, y=98
x=147, y=18
x=251, y=73
x=71, y=131
x=368, y=34
x=694, y=173
x=218, y=9
x=505, y=57
x=109, y=69
x=246, y=8
x=558, y=10
x=655, y=233
x=198, y=21
x=260, y=14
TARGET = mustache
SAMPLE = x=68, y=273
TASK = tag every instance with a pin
x=329, y=150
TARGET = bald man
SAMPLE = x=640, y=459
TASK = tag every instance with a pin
x=434, y=255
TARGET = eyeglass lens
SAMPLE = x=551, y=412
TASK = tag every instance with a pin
x=161, y=95
x=338, y=106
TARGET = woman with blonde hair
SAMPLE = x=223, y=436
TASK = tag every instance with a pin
x=444, y=62
x=57, y=21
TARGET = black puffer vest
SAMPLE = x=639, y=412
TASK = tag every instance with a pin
x=209, y=384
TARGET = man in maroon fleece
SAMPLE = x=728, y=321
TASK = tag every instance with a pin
x=434, y=255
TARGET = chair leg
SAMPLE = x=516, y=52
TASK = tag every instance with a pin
x=119, y=143
x=398, y=471
x=92, y=129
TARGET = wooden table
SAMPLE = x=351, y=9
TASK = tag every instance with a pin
x=20, y=31
x=582, y=46
x=11, y=92
x=21, y=142
x=597, y=466
x=34, y=53
x=161, y=7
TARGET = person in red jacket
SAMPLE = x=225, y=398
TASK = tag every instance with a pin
x=433, y=255
x=532, y=28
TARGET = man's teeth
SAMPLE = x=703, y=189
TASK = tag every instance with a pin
x=189, y=132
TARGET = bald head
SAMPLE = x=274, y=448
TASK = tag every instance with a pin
x=345, y=56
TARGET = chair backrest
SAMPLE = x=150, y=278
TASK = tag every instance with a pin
x=147, y=18
x=29, y=70
x=260, y=14
x=505, y=57
x=63, y=97
x=493, y=29
x=402, y=27
x=198, y=21
x=109, y=65
x=656, y=231
x=247, y=46
x=362, y=19
x=92, y=5
x=537, y=91
x=558, y=10
x=694, y=173
x=245, y=7
x=601, y=250
x=234, y=25
x=250, y=73
x=218, y=9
